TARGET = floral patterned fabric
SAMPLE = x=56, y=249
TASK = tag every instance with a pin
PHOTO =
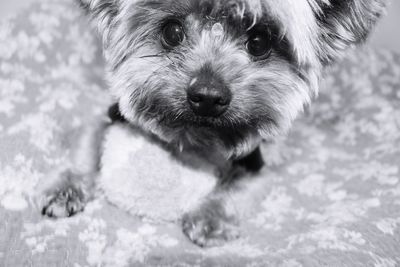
x=333, y=198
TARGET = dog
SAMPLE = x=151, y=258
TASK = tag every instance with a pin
x=216, y=77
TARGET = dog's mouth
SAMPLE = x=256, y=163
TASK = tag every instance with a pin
x=180, y=118
x=193, y=121
x=184, y=119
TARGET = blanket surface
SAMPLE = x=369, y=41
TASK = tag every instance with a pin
x=333, y=197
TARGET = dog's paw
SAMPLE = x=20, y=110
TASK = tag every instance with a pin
x=64, y=202
x=208, y=226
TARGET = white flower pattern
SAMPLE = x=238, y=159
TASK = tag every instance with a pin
x=334, y=192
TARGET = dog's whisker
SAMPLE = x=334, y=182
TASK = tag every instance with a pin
x=150, y=56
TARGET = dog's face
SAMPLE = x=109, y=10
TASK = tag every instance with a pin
x=206, y=73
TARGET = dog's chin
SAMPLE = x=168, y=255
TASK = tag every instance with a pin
x=230, y=138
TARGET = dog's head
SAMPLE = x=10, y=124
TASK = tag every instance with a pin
x=223, y=73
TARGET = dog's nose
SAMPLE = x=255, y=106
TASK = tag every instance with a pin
x=208, y=96
x=208, y=102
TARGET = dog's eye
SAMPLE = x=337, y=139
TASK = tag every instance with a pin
x=259, y=45
x=172, y=34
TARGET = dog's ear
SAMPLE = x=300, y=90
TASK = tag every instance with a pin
x=102, y=13
x=345, y=23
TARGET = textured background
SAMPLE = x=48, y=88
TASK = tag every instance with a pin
x=387, y=35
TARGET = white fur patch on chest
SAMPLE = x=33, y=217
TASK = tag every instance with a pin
x=143, y=178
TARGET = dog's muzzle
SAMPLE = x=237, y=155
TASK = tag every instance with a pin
x=208, y=95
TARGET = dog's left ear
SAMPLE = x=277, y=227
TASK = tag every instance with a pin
x=102, y=13
x=345, y=23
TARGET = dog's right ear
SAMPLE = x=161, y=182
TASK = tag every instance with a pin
x=102, y=13
x=345, y=23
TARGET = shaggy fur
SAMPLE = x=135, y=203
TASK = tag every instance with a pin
x=150, y=82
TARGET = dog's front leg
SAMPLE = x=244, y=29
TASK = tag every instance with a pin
x=217, y=219
x=68, y=190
